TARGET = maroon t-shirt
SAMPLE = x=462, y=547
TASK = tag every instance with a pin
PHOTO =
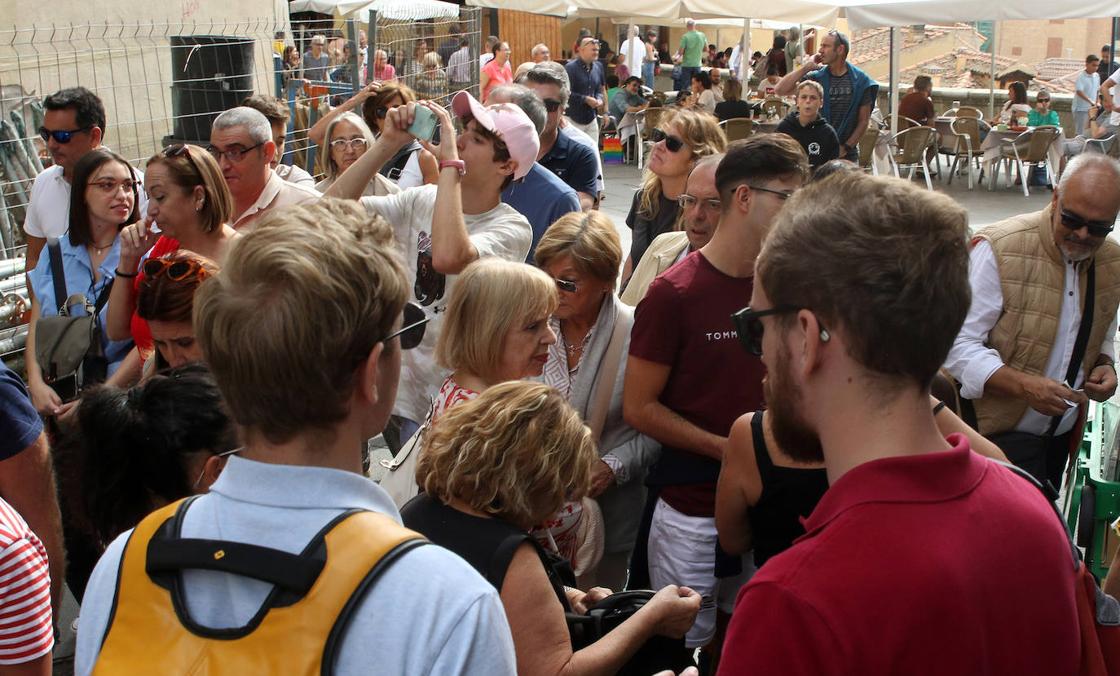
x=684, y=322
x=938, y=563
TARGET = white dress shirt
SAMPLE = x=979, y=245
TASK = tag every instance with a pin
x=971, y=361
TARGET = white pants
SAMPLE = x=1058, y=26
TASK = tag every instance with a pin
x=682, y=551
x=591, y=128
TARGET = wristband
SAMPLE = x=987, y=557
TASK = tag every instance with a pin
x=458, y=165
x=125, y=274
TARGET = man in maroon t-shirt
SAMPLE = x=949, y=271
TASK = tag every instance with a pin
x=687, y=380
x=923, y=557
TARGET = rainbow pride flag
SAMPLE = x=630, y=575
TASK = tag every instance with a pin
x=612, y=150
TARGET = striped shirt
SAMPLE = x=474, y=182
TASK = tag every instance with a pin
x=25, y=591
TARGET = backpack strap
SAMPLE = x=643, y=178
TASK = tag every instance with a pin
x=58, y=275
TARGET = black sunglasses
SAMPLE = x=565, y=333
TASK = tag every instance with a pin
x=671, y=142
x=552, y=105
x=1096, y=228
x=381, y=112
x=412, y=326
x=181, y=150
x=565, y=285
x=59, y=135
x=748, y=326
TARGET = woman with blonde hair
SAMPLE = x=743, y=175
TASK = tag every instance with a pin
x=496, y=329
x=491, y=469
x=678, y=143
x=432, y=81
x=582, y=253
x=347, y=139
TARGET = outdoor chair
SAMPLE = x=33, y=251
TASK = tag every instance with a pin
x=969, y=111
x=1029, y=149
x=903, y=122
x=774, y=107
x=1101, y=145
x=648, y=120
x=737, y=128
x=908, y=151
x=965, y=145
x=867, y=149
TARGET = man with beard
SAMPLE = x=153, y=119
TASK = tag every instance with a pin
x=922, y=553
x=1024, y=356
x=700, y=210
x=687, y=380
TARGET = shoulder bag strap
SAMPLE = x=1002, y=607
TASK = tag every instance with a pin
x=1082, y=340
x=58, y=276
x=608, y=372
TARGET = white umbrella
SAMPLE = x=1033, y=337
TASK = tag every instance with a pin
x=398, y=10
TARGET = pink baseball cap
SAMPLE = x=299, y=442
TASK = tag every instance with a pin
x=507, y=122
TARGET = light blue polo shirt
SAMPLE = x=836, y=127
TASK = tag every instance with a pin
x=429, y=613
x=78, y=269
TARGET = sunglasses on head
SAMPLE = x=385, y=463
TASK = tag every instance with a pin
x=1076, y=222
x=748, y=326
x=552, y=105
x=181, y=150
x=59, y=135
x=176, y=270
x=413, y=324
x=671, y=142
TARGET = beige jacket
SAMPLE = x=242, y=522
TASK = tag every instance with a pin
x=659, y=257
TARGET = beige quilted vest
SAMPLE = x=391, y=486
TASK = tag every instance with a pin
x=1032, y=278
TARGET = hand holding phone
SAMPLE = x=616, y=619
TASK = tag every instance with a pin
x=424, y=124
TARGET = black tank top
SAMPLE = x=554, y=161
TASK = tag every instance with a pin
x=487, y=545
x=787, y=495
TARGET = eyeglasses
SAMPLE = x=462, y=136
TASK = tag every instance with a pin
x=233, y=154
x=552, y=105
x=413, y=323
x=352, y=143
x=566, y=285
x=176, y=270
x=688, y=201
x=781, y=194
x=1043, y=100
x=110, y=187
x=748, y=326
x=1076, y=222
x=223, y=454
x=672, y=143
x=59, y=135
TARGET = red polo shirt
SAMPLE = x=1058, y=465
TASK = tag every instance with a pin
x=941, y=563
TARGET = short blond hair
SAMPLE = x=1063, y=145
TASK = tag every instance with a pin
x=589, y=239
x=812, y=84
x=490, y=297
x=516, y=452
x=302, y=300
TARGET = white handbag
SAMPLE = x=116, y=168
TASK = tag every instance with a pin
x=400, y=471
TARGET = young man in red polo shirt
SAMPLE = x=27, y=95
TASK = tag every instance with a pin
x=923, y=557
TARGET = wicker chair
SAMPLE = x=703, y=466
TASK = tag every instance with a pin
x=966, y=145
x=867, y=149
x=909, y=149
x=775, y=107
x=737, y=128
x=969, y=111
x=1029, y=149
x=648, y=120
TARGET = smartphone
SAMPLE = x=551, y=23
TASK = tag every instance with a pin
x=424, y=124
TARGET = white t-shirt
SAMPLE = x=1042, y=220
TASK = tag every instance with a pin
x=48, y=210
x=1088, y=84
x=501, y=232
x=1114, y=119
x=634, y=51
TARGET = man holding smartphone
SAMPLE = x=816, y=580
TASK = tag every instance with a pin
x=1045, y=288
x=442, y=228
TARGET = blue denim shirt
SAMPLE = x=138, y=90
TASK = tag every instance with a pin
x=78, y=269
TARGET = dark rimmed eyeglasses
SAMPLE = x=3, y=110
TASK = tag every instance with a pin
x=60, y=135
x=234, y=154
x=413, y=324
x=748, y=326
x=1044, y=100
x=672, y=143
x=1096, y=228
x=781, y=194
x=552, y=105
x=176, y=270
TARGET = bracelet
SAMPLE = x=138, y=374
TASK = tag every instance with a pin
x=126, y=275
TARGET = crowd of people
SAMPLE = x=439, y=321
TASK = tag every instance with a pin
x=785, y=419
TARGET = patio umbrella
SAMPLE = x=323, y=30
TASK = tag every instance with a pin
x=399, y=10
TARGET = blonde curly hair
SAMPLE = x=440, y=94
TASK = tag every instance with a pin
x=701, y=133
x=516, y=452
